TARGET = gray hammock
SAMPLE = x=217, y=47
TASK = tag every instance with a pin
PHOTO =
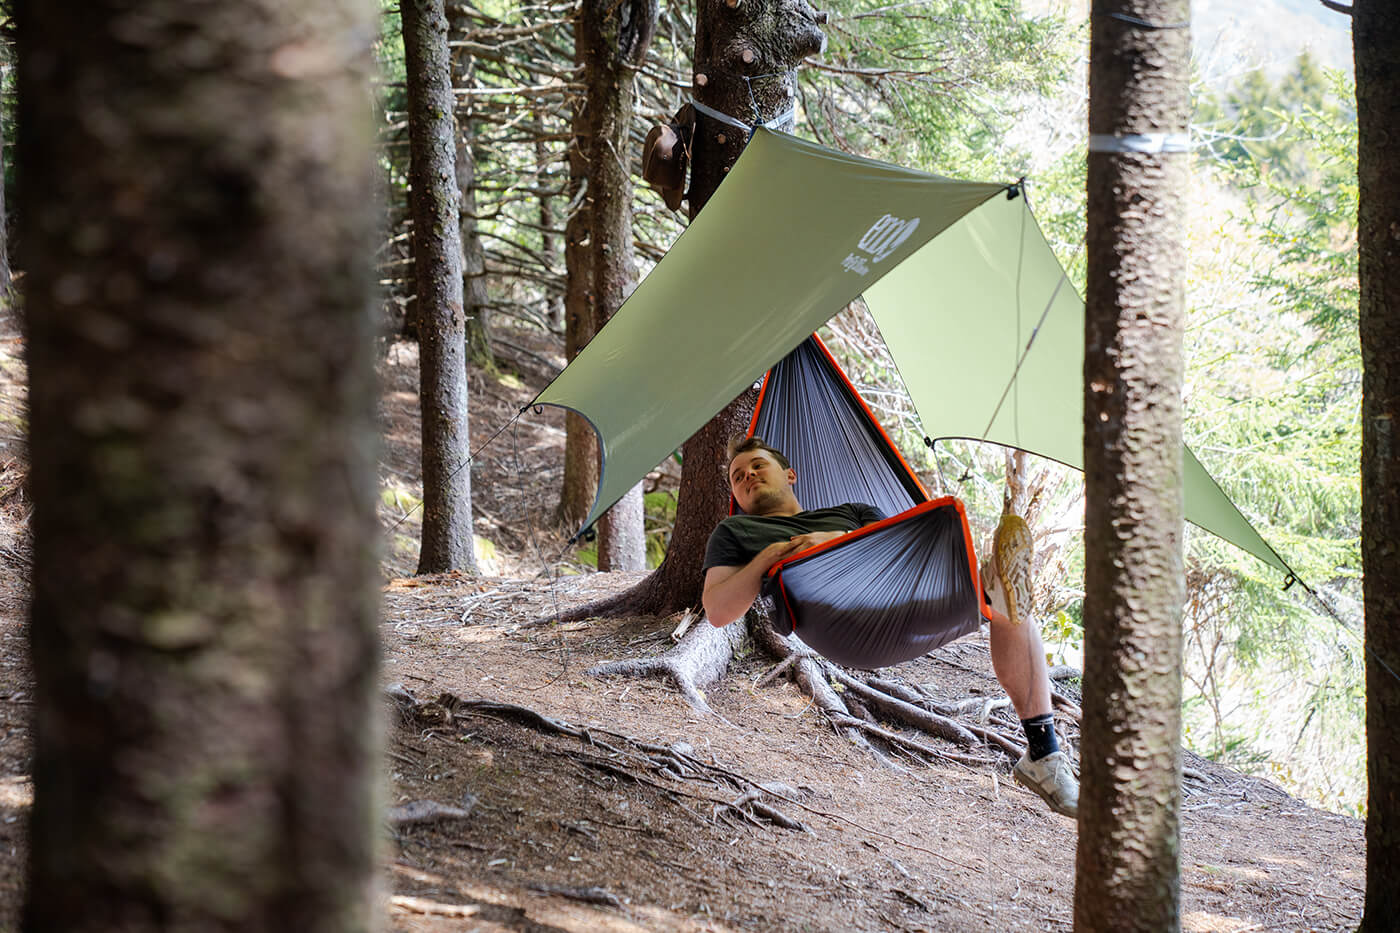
x=887, y=592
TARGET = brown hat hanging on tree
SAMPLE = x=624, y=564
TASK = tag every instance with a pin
x=666, y=155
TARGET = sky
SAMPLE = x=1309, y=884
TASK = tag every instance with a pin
x=1234, y=34
x=1231, y=36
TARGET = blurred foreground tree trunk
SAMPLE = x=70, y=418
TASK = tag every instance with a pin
x=196, y=226
x=1376, y=36
x=7, y=57
x=437, y=265
x=1127, y=866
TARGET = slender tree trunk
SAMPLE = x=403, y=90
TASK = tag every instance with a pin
x=475, y=299
x=198, y=244
x=437, y=263
x=549, y=240
x=1376, y=34
x=622, y=539
x=611, y=39
x=1127, y=868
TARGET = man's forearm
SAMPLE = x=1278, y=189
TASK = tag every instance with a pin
x=727, y=600
x=730, y=591
x=728, y=596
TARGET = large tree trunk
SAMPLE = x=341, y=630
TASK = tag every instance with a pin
x=198, y=247
x=1127, y=871
x=1376, y=34
x=610, y=40
x=437, y=264
x=766, y=39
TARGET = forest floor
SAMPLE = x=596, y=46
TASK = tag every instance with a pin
x=610, y=809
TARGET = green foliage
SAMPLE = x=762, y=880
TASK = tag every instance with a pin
x=1275, y=400
x=934, y=86
x=660, y=509
x=1253, y=123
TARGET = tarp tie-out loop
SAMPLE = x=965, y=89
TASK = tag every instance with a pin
x=1013, y=190
x=1136, y=21
x=1292, y=579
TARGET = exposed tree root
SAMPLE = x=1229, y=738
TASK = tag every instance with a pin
x=907, y=713
x=808, y=672
x=627, y=758
x=854, y=702
x=894, y=738
x=699, y=660
x=426, y=811
x=644, y=598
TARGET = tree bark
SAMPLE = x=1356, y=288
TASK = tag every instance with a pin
x=475, y=300
x=774, y=36
x=622, y=538
x=1376, y=37
x=437, y=265
x=197, y=231
x=580, y=484
x=549, y=240
x=1127, y=867
x=610, y=40
x=6, y=292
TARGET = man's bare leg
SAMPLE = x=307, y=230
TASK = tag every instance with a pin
x=1018, y=660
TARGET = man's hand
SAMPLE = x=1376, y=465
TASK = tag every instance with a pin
x=811, y=539
x=730, y=591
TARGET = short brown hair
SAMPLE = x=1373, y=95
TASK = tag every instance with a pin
x=742, y=444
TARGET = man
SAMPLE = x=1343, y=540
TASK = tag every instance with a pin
x=744, y=547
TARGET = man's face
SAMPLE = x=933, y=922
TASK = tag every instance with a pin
x=759, y=483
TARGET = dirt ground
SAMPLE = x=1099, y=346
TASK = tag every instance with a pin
x=522, y=794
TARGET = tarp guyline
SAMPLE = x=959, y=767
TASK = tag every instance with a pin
x=957, y=275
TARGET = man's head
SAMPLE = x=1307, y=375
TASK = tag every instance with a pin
x=761, y=478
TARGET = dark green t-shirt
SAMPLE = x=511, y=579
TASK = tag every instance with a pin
x=738, y=539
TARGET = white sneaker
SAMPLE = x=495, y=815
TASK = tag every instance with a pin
x=1052, y=777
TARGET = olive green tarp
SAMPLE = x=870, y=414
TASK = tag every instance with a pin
x=957, y=275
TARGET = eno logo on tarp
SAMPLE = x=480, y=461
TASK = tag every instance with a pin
x=883, y=238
